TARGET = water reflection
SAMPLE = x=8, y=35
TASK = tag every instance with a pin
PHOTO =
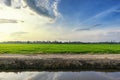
x=60, y=75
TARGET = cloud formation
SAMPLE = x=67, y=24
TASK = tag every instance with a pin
x=6, y=2
x=105, y=13
x=44, y=7
x=117, y=10
x=12, y=3
x=18, y=33
x=113, y=33
x=89, y=28
x=48, y=8
x=40, y=17
x=8, y=21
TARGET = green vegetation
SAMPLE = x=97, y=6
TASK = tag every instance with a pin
x=59, y=48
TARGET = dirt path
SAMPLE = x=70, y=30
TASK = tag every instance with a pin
x=62, y=56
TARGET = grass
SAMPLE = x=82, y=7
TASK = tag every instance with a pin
x=59, y=48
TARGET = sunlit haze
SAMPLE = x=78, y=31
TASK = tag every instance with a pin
x=74, y=20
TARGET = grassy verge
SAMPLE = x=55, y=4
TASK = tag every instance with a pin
x=59, y=48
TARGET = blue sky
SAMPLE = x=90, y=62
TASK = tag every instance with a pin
x=84, y=11
x=74, y=20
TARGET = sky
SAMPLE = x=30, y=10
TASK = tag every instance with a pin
x=62, y=20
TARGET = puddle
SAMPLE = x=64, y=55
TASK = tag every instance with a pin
x=83, y=75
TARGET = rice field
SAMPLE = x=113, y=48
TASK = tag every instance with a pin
x=59, y=48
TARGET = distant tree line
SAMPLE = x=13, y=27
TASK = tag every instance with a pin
x=56, y=42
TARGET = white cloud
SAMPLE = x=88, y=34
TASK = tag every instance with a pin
x=36, y=26
x=112, y=34
x=23, y=22
x=55, y=8
x=101, y=15
x=42, y=7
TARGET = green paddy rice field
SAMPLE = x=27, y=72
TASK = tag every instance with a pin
x=59, y=48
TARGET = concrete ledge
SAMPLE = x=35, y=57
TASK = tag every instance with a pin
x=57, y=62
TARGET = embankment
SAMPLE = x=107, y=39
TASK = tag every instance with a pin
x=59, y=62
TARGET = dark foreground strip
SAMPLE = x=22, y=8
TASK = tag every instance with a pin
x=58, y=64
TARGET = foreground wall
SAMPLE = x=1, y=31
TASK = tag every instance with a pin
x=15, y=63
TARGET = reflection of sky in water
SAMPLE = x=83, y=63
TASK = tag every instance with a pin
x=60, y=76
